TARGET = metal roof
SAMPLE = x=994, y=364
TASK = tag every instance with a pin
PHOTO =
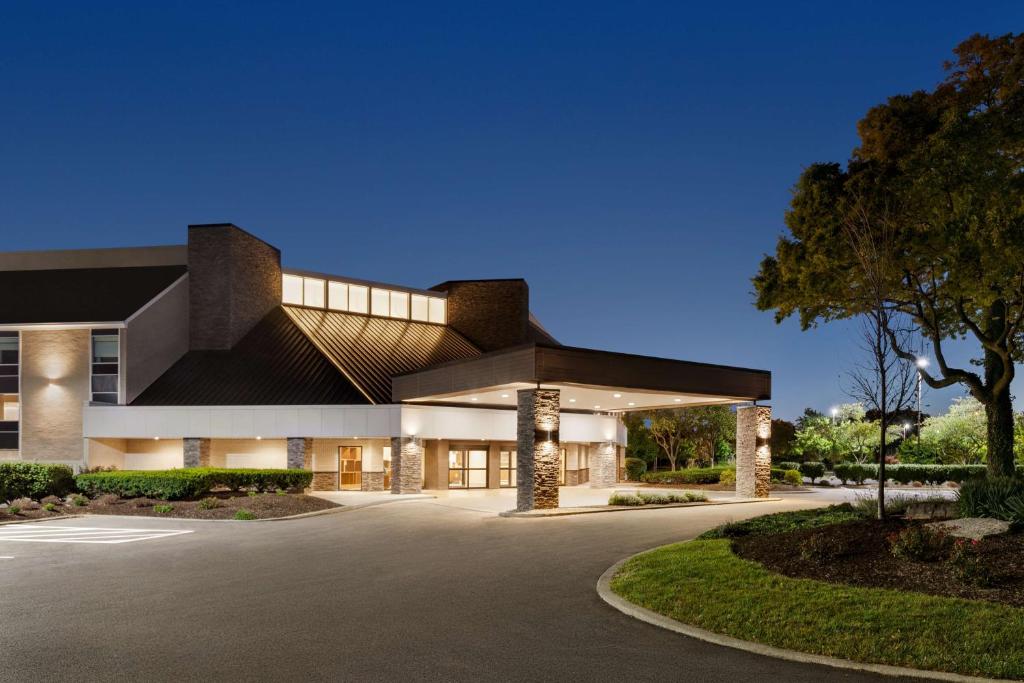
x=274, y=364
x=81, y=295
x=369, y=351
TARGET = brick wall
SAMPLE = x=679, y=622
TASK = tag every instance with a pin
x=234, y=281
x=493, y=314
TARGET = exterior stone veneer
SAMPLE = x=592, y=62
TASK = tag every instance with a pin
x=753, y=451
x=300, y=452
x=406, y=465
x=603, y=465
x=372, y=481
x=537, y=449
x=196, y=452
x=325, y=481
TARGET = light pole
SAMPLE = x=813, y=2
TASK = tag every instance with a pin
x=922, y=363
x=835, y=411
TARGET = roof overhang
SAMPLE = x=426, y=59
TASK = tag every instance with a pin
x=590, y=380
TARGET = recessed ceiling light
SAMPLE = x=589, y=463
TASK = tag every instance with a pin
x=678, y=400
x=259, y=438
x=631, y=403
x=572, y=400
x=156, y=438
x=504, y=395
x=596, y=407
x=616, y=395
x=473, y=399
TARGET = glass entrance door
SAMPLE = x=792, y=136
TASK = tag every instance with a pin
x=467, y=469
x=350, y=468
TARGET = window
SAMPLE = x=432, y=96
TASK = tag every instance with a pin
x=507, y=467
x=437, y=310
x=313, y=292
x=350, y=468
x=420, y=308
x=358, y=299
x=291, y=290
x=399, y=304
x=380, y=302
x=10, y=404
x=467, y=469
x=337, y=296
x=105, y=363
x=299, y=290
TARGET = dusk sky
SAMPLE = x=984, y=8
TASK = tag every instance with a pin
x=632, y=161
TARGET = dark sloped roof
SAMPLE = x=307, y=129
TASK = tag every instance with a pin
x=369, y=350
x=274, y=364
x=81, y=294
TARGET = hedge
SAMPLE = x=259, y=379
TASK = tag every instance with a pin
x=34, y=480
x=188, y=483
x=635, y=468
x=698, y=475
x=812, y=470
x=907, y=473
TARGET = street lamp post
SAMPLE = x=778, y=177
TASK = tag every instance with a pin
x=835, y=411
x=922, y=363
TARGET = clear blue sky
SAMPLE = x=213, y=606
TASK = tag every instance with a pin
x=632, y=161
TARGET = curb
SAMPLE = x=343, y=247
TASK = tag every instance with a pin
x=565, y=512
x=38, y=519
x=604, y=590
x=301, y=515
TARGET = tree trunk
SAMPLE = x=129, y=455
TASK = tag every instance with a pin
x=998, y=412
x=999, y=415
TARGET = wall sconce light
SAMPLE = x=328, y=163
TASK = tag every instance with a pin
x=259, y=438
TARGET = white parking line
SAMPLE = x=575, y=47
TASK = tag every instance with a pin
x=83, y=534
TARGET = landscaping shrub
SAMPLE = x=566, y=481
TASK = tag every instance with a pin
x=727, y=477
x=812, y=470
x=50, y=507
x=792, y=477
x=189, y=483
x=852, y=471
x=209, y=503
x=13, y=509
x=968, y=564
x=34, y=480
x=696, y=475
x=80, y=501
x=655, y=498
x=895, y=505
x=918, y=542
x=25, y=503
x=244, y=514
x=162, y=509
x=789, y=466
x=782, y=522
x=999, y=497
x=823, y=547
x=635, y=468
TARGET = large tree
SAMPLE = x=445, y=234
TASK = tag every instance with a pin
x=938, y=176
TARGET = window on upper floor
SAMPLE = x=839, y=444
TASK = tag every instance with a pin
x=10, y=400
x=300, y=290
x=105, y=366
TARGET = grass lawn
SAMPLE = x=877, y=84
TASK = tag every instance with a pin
x=704, y=584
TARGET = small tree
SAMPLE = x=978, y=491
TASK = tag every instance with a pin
x=669, y=431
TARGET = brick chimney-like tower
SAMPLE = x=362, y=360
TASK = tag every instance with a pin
x=234, y=281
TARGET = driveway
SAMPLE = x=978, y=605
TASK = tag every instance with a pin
x=412, y=590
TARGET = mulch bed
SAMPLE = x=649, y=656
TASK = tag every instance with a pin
x=867, y=561
x=263, y=506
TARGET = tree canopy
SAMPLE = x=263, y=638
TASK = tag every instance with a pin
x=936, y=185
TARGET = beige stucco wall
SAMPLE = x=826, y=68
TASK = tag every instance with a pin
x=154, y=340
x=106, y=452
x=264, y=452
x=54, y=386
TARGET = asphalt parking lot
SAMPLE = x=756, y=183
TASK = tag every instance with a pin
x=411, y=590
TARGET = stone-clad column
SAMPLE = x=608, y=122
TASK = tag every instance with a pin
x=753, y=451
x=196, y=452
x=537, y=449
x=603, y=465
x=300, y=452
x=406, y=465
